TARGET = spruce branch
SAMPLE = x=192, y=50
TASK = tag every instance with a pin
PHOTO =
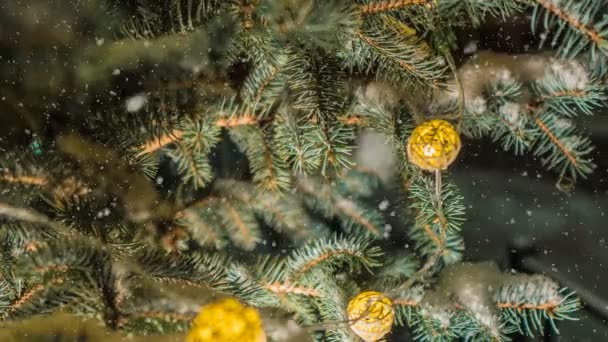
x=197, y=270
x=400, y=59
x=561, y=148
x=283, y=212
x=241, y=225
x=221, y=217
x=469, y=301
x=569, y=93
x=360, y=183
x=514, y=129
x=200, y=228
x=395, y=270
x=29, y=297
x=461, y=11
x=349, y=211
x=538, y=116
x=146, y=19
x=199, y=132
x=310, y=24
x=336, y=147
x=197, y=140
x=23, y=179
x=297, y=142
x=319, y=85
x=579, y=27
x=79, y=255
x=266, y=82
x=31, y=216
x=381, y=119
x=406, y=303
x=526, y=302
x=84, y=262
x=19, y=237
x=436, y=229
x=434, y=325
x=335, y=295
x=243, y=284
x=257, y=47
x=509, y=121
x=354, y=252
x=194, y=167
x=268, y=167
x=176, y=135
x=272, y=272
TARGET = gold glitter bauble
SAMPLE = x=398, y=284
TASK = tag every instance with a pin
x=227, y=320
x=370, y=315
x=433, y=145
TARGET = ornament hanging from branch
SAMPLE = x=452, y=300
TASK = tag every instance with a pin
x=433, y=145
x=371, y=315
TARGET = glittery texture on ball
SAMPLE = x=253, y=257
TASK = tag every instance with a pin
x=371, y=315
x=433, y=145
x=227, y=320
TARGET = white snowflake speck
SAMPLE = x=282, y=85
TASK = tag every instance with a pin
x=383, y=205
x=135, y=103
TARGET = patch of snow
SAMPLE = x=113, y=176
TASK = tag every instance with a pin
x=477, y=105
x=571, y=73
x=511, y=111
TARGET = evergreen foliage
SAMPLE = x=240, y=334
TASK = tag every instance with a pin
x=253, y=108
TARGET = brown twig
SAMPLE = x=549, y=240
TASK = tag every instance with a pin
x=350, y=120
x=548, y=307
x=273, y=74
x=239, y=223
x=27, y=296
x=346, y=207
x=175, y=135
x=28, y=180
x=288, y=288
x=409, y=67
x=243, y=120
x=159, y=142
x=320, y=259
x=555, y=140
x=389, y=5
x=572, y=93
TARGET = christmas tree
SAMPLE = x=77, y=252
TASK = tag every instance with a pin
x=186, y=169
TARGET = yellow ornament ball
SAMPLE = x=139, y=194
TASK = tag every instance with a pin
x=227, y=320
x=433, y=145
x=370, y=315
